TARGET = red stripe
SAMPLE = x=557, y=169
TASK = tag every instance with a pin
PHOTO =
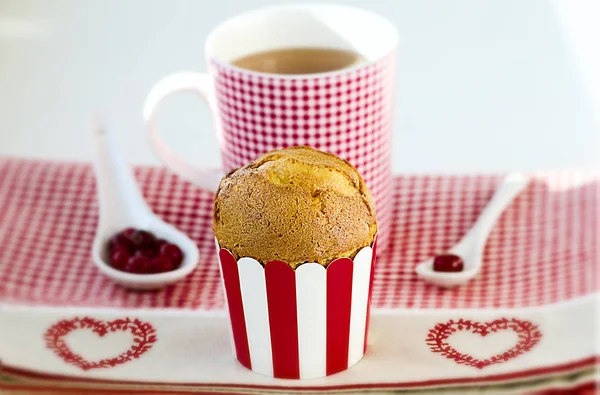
x=591, y=388
x=495, y=378
x=283, y=321
x=231, y=278
x=373, y=259
x=339, y=302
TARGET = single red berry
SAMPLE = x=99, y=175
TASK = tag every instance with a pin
x=161, y=264
x=128, y=232
x=143, y=239
x=138, y=264
x=172, y=251
x=448, y=263
x=169, y=266
x=149, y=252
x=119, y=257
x=161, y=242
x=155, y=265
x=120, y=241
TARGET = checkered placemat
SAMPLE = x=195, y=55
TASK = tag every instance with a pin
x=543, y=249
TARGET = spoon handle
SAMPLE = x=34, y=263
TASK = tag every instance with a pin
x=509, y=188
x=121, y=203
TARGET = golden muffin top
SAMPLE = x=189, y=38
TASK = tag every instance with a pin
x=295, y=205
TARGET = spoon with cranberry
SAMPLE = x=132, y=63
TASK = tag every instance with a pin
x=133, y=246
x=463, y=261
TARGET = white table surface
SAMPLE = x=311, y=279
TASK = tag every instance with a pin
x=483, y=86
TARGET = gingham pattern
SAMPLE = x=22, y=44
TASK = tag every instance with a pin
x=347, y=113
x=543, y=250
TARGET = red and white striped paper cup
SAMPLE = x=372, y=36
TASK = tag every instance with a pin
x=298, y=324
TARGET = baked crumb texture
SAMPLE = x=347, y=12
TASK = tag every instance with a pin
x=295, y=205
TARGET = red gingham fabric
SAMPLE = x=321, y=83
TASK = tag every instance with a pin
x=543, y=250
x=348, y=113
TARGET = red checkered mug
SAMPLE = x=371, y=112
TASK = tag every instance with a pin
x=347, y=112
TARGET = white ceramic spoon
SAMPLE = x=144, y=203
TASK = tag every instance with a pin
x=122, y=206
x=470, y=247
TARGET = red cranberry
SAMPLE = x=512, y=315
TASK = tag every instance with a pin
x=161, y=264
x=448, y=263
x=120, y=241
x=149, y=252
x=119, y=257
x=161, y=242
x=167, y=267
x=143, y=239
x=138, y=264
x=155, y=265
x=139, y=251
x=128, y=232
x=172, y=251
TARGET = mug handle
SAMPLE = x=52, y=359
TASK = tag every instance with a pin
x=201, y=84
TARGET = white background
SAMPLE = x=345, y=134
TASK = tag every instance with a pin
x=482, y=85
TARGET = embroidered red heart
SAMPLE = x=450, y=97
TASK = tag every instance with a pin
x=144, y=335
x=527, y=332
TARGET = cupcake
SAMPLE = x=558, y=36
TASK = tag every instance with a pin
x=296, y=205
x=295, y=231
